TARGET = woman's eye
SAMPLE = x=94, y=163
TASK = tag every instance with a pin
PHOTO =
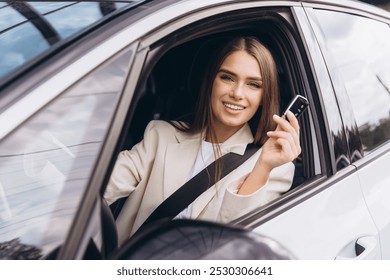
x=226, y=78
x=255, y=85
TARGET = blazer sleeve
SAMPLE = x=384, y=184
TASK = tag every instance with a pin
x=235, y=205
x=132, y=166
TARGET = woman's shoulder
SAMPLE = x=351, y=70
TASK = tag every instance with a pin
x=166, y=125
x=165, y=128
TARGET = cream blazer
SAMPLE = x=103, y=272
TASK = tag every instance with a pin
x=160, y=164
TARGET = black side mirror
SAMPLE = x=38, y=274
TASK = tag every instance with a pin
x=194, y=239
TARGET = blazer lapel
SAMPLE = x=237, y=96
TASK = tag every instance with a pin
x=179, y=160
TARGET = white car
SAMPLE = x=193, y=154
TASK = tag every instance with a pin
x=79, y=81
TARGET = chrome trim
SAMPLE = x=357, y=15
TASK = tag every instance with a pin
x=373, y=155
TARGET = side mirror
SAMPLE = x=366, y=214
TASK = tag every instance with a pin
x=194, y=239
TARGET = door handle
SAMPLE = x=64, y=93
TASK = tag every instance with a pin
x=364, y=248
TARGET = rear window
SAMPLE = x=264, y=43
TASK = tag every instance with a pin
x=29, y=28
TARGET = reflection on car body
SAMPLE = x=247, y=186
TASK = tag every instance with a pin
x=97, y=74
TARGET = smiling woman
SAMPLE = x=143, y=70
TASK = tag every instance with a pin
x=231, y=94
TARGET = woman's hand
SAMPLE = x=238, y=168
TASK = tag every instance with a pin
x=281, y=147
x=283, y=143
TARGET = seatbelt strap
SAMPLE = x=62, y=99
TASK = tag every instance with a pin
x=198, y=184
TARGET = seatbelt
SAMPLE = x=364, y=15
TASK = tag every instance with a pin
x=198, y=184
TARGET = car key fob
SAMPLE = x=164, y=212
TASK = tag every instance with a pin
x=297, y=106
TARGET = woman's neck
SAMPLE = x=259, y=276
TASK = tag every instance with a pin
x=220, y=135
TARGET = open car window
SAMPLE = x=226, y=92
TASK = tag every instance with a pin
x=171, y=76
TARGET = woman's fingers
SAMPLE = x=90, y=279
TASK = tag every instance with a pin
x=287, y=135
x=291, y=126
x=283, y=143
x=287, y=150
x=285, y=138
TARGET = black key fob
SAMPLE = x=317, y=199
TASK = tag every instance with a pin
x=297, y=106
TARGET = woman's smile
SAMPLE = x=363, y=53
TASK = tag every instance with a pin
x=233, y=106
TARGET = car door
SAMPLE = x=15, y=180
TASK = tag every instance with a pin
x=358, y=56
x=325, y=218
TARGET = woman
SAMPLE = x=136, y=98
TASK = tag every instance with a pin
x=242, y=80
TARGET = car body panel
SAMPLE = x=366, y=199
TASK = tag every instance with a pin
x=327, y=225
x=375, y=180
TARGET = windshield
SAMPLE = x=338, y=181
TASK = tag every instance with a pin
x=27, y=28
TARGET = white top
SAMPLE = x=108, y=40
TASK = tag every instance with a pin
x=204, y=158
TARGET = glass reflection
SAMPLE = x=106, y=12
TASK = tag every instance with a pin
x=360, y=59
x=23, y=25
x=15, y=46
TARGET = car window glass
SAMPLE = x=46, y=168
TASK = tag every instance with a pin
x=46, y=163
x=358, y=53
x=73, y=18
x=43, y=24
x=14, y=50
x=9, y=17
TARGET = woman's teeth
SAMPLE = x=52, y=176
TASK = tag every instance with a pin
x=233, y=107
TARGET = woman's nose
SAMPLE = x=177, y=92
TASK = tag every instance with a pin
x=237, y=92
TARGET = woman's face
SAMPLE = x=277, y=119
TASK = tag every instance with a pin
x=236, y=93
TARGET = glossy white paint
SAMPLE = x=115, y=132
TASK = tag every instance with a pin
x=375, y=181
x=327, y=225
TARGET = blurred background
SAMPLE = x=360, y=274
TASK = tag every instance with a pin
x=385, y=4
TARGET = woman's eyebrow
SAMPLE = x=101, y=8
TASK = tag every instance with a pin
x=234, y=74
